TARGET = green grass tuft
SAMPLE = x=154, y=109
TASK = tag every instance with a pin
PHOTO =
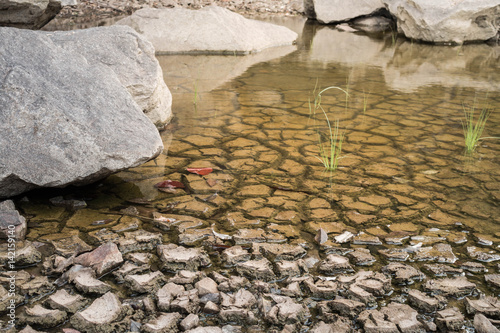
x=473, y=130
x=329, y=151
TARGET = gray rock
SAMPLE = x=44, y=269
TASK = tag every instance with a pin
x=330, y=11
x=438, y=252
x=373, y=321
x=186, y=302
x=481, y=255
x=85, y=282
x=425, y=303
x=321, y=289
x=38, y=315
x=375, y=24
x=206, y=286
x=256, y=269
x=346, y=307
x=205, y=329
x=167, y=294
x=212, y=308
x=403, y=274
x=101, y=316
x=361, y=257
x=483, y=325
x=28, y=329
x=445, y=21
x=165, y=323
x=340, y=326
x=209, y=30
x=287, y=311
x=61, y=300
x=131, y=57
x=175, y=258
x=334, y=264
x=404, y=317
x=489, y=306
x=493, y=279
x=28, y=14
x=449, y=320
x=5, y=298
x=103, y=259
x=457, y=287
x=278, y=251
x=233, y=255
x=139, y=240
x=186, y=277
x=64, y=121
x=190, y=322
x=127, y=269
x=145, y=283
x=26, y=254
x=12, y=224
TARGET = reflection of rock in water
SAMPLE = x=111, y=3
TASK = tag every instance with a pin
x=409, y=66
x=211, y=71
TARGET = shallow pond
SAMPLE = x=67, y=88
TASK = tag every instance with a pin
x=402, y=177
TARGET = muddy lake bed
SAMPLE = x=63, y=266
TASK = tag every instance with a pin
x=404, y=211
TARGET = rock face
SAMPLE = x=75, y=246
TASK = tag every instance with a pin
x=212, y=30
x=131, y=57
x=12, y=224
x=329, y=11
x=28, y=14
x=446, y=21
x=64, y=121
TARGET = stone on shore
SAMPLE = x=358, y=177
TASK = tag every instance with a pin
x=101, y=316
x=102, y=259
x=44, y=317
x=483, y=325
x=176, y=258
x=332, y=11
x=11, y=222
x=61, y=300
x=212, y=30
x=132, y=59
x=446, y=21
x=28, y=14
x=63, y=120
x=165, y=323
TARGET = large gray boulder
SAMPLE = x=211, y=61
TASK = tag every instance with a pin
x=64, y=120
x=331, y=11
x=28, y=14
x=131, y=57
x=446, y=21
x=212, y=30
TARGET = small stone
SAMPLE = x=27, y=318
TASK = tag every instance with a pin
x=478, y=254
x=288, y=268
x=139, y=240
x=85, y=282
x=486, y=305
x=128, y=268
x=279, y=251
x=493, y=279
x=211, y=308
x=206, y=286
x=145, y=283
x=186, y=302
x=103, y=259
x=26, y=253
x=440, y=252
x=403, y=274
x=256, y=269
x=167, y=294
x=287, y=312
x=233, y=255
x=344, y=237
x=248, y=236
x=361, y=257
x=165, y=323
x=474, y=267
x=321, y=236
x=63, y=301
x=404, y=317
x=29, y=329
x=40, y=285
x=12, y=224
x=43, y=317
x=334, y=264
x=190, y=322
x=292, y=290
x=346, y=307
x=175, y=258
x=456, y=287
x=241, y=299
x=427, y=304
x=483, y=325
x=395, y=254
x=321, y=289
x=100, y=316
x=374, y=321
x=449, y=320
x=366, y=239
x=442, y=270
x=206, y=329
x=185, y=277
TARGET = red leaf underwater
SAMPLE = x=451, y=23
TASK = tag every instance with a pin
x=200, y=171
x=169, y=183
